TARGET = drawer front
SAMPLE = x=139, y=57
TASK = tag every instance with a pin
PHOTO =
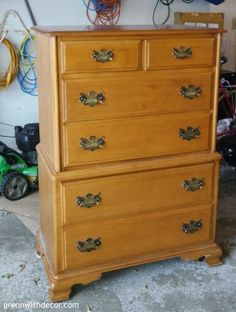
x=122, y=139
x=100, y=55
x=129, y=194
x=119, y=239
x=180, y=52
x=135, y=94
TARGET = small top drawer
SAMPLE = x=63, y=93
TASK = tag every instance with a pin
x=100, y=55
x=180, y=52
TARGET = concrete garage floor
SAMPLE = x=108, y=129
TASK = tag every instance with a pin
x=167, y=286
x=26, y=210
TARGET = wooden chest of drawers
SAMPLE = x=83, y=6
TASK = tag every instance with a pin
x=127, y=162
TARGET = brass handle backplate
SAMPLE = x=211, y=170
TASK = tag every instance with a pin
x=89, y=245
x=190, y=92
x=103, y=56
x=182, y=53
x=192, y=226
x=89, y=200
x=189, y=133
x=92, y=98
x=194, y=184
x=92, y=143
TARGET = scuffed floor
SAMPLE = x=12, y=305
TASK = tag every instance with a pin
x=167, y=286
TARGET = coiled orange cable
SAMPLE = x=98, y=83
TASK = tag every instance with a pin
x=103, y=12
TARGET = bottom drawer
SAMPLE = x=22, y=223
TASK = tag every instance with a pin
x=122, y=238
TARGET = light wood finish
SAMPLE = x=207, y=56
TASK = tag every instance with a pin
x=123, y=31
x=135, y=138
x=77, y=55
x=60, y=285
x=140, y=170
x=48, y=95
x=139, y=165
x=160, y=52
x=135, y=236
x=147, y=191
x=54, y=185
x=199, y=17
x=212, y=256
x=143, y=96
x=215, y=94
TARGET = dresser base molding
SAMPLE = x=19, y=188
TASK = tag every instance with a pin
x=60, y=285
x=210, y=254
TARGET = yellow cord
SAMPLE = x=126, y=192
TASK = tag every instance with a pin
x=7, y=78
x=24, y=61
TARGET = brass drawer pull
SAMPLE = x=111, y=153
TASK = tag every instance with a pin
x=89, y=245
x=190, y=92
x=89, y=200
x=92, y=98
x=189, y=133
x=92, y=143
x=192, y=226
x=194, y=184
x=103, y=56
x=182, y=53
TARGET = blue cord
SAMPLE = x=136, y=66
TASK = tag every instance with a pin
x=98, y=6
x=86, y=5
x=26, y=75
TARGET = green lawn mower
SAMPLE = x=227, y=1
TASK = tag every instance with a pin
x=19, y=172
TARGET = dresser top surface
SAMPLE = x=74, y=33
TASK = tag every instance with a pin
x=120, y=29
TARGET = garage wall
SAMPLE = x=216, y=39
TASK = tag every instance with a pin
x=229, y=41
x=17, y=108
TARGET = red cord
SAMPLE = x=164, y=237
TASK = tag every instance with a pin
x=110, y=16
x=231, y=107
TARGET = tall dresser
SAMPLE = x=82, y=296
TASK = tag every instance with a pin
x=127, y=163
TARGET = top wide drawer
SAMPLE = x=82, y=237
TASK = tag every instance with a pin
x=179, y=52
x=103, y=55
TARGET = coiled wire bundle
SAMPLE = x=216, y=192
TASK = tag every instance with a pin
x=167, y=4
x=26, y=75
x=7, y=78
x=103, y=12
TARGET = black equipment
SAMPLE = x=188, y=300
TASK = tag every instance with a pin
x=216, y=2
x=227, y=147
x=26, y=140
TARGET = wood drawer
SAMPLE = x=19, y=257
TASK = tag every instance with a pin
x=133, y=236
x=134, y=94
x=130, y=194
x=160, y=52
x=134, y=138
x=78, y=55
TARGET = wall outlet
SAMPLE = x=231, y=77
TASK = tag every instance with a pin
x=234, y=23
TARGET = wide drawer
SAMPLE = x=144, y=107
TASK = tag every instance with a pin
x=129, y=194
x=123, y=238
x=135, y=94
x=123, y=139
x=100, y=55
x=180, y=52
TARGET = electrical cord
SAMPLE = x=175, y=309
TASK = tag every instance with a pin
x=7, y=136
x=9, y=125
x=103, y=12
x=7, y=78
x=26, y=75
x=6, y=124
x=168, y=11
x=166, y=3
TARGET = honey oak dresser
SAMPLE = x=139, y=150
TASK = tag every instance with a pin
x=127, y=163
